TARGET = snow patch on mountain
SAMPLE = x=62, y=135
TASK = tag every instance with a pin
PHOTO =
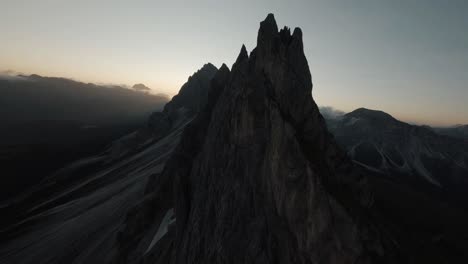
x=163, y=228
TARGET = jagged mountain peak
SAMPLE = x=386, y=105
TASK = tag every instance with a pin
x=242, y=55
x=268, y=26
x=270, y=42
x=280, y=58
x=224, y=67
x=192, y=95
x=249, y=167
x=256, y=171
x=208, y=67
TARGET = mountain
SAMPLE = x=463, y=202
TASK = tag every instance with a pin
x=379, y=142
x=240, y=167
x=34, y=98
x=193, y=94
x=256, y=178
x=239, y=161
x=75, y=214
x=458, y=131
x=419, y=180
x=49, y=122
x=183, y=107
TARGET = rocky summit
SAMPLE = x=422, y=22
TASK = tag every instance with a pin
x=238, y=168
x=256, y=177
x=241, y=165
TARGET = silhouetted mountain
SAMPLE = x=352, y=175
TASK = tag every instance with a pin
x=420, y=180
x=193, y=94
x=35, y=98
x=91, y=197
x=380, y=142
x=48, y=122
x=239, y=167
x=257, y=172
x=458, y=131
x=181, y=109
x=374, y=116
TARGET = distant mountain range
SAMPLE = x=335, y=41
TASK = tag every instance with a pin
x=381, y=143
x=419, y=176
x=34, y=98
x=47, y=122
x=459, y=131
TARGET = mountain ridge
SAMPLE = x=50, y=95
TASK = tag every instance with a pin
x=254, y=170
x=385, y=144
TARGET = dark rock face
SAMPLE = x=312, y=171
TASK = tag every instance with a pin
x=145, y=219
x=238, y=168
x=85, y=212
x=189, y=101
x=193, y=94
x=258, y=179
x=181, y=109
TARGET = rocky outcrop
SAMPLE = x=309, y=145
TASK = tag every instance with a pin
x=257, y=178
x=181, y=109
x=194, y=92
x=145, y=220
x=189, y=101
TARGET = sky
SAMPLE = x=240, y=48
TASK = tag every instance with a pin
x=406, y=57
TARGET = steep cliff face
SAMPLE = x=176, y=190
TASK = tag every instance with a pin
x=238, y=168
x=76, y=215
x=258, y=179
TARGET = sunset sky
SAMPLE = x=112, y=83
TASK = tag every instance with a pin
x=406, y=57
